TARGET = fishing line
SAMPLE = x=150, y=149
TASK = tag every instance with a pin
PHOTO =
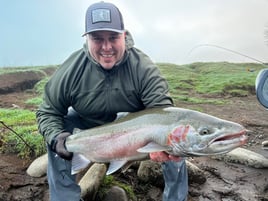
x=261, y=81
x=228, y=50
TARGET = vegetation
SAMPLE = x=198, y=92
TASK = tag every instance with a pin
x=24, y=68
x=200, y=82
x=21, y=135
x=192, y=83
x=110, y=181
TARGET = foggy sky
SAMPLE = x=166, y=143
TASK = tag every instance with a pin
x=35, y=32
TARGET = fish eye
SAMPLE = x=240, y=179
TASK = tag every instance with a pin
x=204, y=131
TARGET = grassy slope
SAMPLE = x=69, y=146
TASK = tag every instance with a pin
x=200, y=82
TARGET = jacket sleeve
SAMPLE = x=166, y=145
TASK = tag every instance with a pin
x=50, y=113
x=57, y=97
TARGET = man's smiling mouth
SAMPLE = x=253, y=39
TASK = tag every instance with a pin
x=107, y=55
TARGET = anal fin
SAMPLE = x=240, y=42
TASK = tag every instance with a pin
x=115, y=165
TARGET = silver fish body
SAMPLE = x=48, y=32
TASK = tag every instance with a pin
x=178, y=131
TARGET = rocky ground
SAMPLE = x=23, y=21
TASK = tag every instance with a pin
x=225, y=181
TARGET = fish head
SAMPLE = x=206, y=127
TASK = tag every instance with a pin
x=200, y=134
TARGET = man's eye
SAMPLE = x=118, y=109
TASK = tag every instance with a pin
x=113, y=38
x=97, y=39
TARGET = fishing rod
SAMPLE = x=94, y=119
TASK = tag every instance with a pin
x=228, y=50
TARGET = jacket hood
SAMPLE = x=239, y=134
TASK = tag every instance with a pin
x=129, y=40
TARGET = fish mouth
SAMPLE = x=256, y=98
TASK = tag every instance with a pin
x=218, y=145
x=235, y=138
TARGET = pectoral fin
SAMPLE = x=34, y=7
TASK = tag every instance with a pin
x=152, y=147
x=76, y=130
x=79, y=162
x=120, y=115
x=114, y=166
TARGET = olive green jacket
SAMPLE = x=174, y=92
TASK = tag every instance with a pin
x=98, y=94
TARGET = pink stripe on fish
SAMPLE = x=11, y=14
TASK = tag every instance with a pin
x=178, y=134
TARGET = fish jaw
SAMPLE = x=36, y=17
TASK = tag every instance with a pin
x=224, y=144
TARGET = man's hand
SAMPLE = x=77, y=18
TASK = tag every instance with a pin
x=163, y=156
x=59, y=146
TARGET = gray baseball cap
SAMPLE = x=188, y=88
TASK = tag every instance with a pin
x=103, y=16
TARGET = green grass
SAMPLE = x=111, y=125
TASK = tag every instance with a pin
x=205, y=82
x=19, y=133
x=38, y=89
x=34, y=101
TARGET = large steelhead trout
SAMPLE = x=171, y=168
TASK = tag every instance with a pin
x=177, y=131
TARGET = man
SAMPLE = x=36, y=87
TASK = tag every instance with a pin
x=108, y=75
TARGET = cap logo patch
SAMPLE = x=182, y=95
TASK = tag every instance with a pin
x=101, y=15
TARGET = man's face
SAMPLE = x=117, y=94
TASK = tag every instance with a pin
x=106, y=47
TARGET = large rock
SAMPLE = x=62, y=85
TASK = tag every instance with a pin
x=245, y=157
x=116, y=194
x=38, y=168
x=195, y=174
x=151, y=172
x=92, y=180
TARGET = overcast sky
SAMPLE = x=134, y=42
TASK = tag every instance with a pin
x=38, y=32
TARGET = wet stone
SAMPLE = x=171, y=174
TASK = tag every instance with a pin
x=116, y=194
